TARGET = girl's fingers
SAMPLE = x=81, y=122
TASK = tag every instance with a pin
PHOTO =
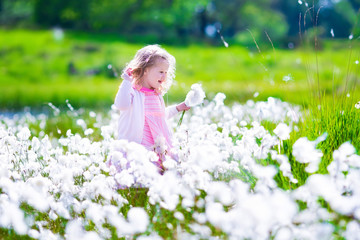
x=129, y=71
x=183, y=107
x=126, y=77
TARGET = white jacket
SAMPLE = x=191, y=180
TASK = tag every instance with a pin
x=130, y=102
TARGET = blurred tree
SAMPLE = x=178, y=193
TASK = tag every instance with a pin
x=177, y=20
x=338, y=18
x=291, y=10
x=163, y=18
x=46, y=13
x=228, y=15
x=244, y=20
x=355, y=4
x=108, y=15
x=64, y=13
x=13, y=12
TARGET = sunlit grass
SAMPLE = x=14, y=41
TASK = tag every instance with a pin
x=340, y=120
x=35, y=69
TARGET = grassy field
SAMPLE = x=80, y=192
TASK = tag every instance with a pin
x=35, y=69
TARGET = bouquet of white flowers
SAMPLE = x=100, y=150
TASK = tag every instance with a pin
x=194, y=97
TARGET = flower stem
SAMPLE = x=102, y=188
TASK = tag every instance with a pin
x=181, y=118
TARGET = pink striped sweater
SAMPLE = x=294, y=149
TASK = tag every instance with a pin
x=131, y=104
x=155, y=126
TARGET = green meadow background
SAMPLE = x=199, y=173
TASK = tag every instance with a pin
x=62, y=50
x=83, y=68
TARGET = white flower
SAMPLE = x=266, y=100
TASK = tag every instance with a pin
x=58, y=34
x=160, y=145
x=88, y=131
x=75, y=230
x=305, y=152
x=352, y=230
x=215, y=213
x=33, y=233
x=344, y=158
x=284, y=233
x=195, y=96
x=282, y=131
x=96, y=214
x=24, y=134
x=35, y=143
x=92, y=114
x=106, y=132
x=138, y=219
x=3, y=133
x=169, y=163
x=219, y=191
x=125, y=178
x=179, y=216
x=11, y=215
x=81, y=123
x=287, y=78
x=357, y=105
x=56, y=110
x=332, y=33
x=205, y=156
x=243, y=123
x=219, y=99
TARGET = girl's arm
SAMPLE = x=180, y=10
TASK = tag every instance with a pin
x=124, y=96
x=174, y=109
x=171, y=111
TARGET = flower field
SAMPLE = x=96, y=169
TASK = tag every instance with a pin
x=242, y=173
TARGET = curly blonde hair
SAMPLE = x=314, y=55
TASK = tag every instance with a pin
x=147, y=57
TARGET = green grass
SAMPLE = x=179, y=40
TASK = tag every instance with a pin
x=34, y=69
x=10, y=234
x=338, y=118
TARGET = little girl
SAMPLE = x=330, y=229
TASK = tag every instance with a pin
x=142, y=110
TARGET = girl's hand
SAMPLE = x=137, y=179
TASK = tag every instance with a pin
x=129, y=71
x=127, y=75
x=182, y=107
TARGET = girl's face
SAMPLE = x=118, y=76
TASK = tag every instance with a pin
x=155, y=75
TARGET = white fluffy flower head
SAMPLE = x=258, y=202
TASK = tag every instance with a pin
x=357, y=105
x=282, y=131
x=305, y=152
x=195, y=96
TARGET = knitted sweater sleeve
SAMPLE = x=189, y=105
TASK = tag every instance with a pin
x=171, y=111
x=124, y=96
